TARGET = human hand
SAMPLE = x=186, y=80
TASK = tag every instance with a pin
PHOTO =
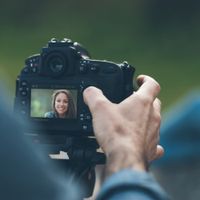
x=128, y=132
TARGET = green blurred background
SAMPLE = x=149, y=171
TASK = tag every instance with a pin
x=158, y=37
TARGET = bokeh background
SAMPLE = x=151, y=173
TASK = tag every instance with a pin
x=160, y=38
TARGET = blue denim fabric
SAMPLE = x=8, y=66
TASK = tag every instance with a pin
x=129, y=184
x=25, y=172
x=180, y=132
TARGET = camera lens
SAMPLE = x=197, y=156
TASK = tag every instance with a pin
x=55, y=64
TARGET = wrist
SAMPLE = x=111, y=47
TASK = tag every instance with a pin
x=123, y=159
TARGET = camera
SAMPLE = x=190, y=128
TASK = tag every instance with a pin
x=49, y=89
x=49, y=95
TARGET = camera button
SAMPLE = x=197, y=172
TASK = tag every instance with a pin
x=23, y=84
x=81, y=117
x=23, y=102
x=88, y=117
x=25, y=70
x=83, y=69
x=24, y=93
x=85, y=127
x=94, y=68
x=34, y=69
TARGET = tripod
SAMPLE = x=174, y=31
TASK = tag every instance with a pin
x=82, y=157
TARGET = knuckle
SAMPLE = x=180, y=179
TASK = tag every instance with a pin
x=157, y=105
x=157, y=119
x=117, y=128
x=159, y=102
x=146, y=100
x=157, y=86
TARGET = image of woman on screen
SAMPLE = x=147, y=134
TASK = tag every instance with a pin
x=63, y=105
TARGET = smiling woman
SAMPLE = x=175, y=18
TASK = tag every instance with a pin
x=63, y=105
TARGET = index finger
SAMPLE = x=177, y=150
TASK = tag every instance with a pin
x=148, y=86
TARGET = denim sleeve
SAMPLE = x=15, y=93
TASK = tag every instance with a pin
x=180, y=132
x=26, y=172
x=129, y=184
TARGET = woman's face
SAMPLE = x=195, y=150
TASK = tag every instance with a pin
x=61, y=104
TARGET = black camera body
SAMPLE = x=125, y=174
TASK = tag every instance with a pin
x=66, y=65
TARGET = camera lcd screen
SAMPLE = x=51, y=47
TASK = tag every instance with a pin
x=53, y=103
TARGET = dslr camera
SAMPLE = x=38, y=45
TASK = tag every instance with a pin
x=49, y=94
x=49, y=89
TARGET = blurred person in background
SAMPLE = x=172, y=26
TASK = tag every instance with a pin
x=127, y=132
x=179, y=170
